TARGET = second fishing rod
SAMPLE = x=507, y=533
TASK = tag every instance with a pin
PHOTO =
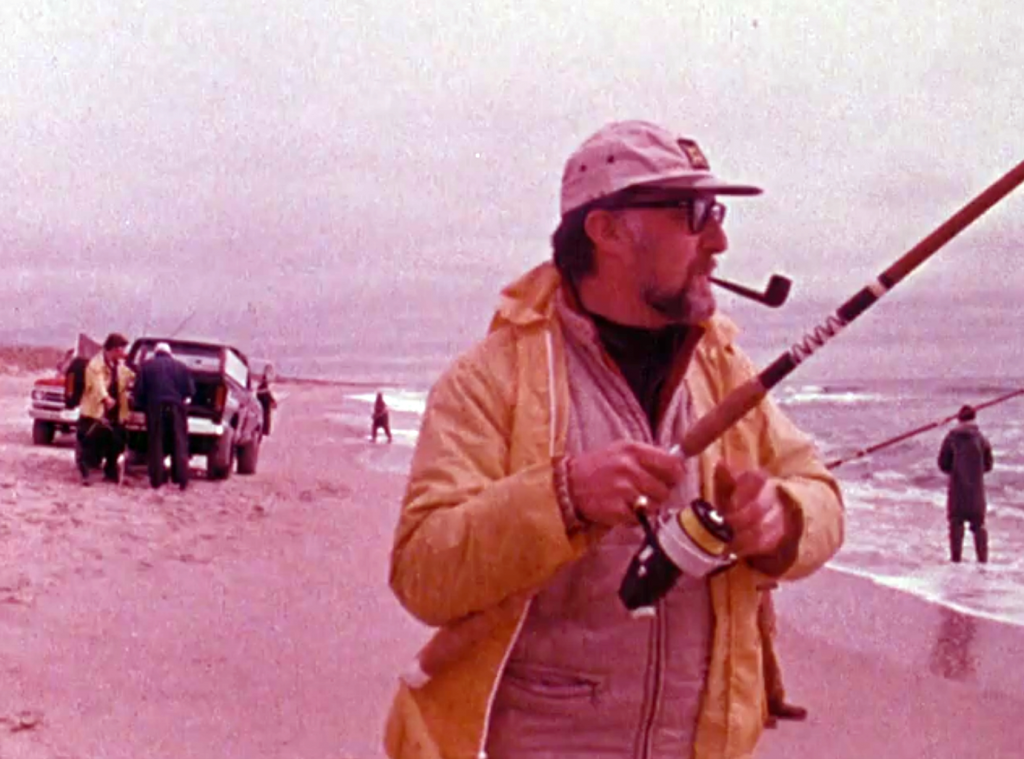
x=875, y=447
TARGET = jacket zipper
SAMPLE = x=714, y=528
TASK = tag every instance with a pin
x=660, y=627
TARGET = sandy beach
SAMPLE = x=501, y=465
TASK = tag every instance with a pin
x=247, y=618
x=251, y=618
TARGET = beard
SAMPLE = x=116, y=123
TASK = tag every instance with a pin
x=690, y=304
x=681, y=307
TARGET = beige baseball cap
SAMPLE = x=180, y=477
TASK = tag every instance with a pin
x=639, y=154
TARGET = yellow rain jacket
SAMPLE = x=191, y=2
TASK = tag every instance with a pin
x=481, y=526
x=97, y=384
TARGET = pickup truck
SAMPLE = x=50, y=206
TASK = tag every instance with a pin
x=48, y=411
x=225, y=420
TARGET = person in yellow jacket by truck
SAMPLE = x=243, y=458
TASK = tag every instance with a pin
x=536, y=450
x=104, y=408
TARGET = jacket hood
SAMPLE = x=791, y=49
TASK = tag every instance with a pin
x=531, y=300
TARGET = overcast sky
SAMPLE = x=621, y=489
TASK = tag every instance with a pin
x=173, y=146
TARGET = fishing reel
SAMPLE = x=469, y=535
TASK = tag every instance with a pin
x=693, y=540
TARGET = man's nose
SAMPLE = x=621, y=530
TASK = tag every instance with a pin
x=713, y=238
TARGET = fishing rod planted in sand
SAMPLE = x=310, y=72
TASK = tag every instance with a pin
x=836, y=463
x=449, y=643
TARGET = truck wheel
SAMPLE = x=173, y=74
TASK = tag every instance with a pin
x=42, y=432
x=248, y=454
x=222, y=458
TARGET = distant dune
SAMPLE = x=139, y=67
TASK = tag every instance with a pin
x=29, y=358
x=33, y=359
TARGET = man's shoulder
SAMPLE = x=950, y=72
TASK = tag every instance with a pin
x=94, y=370
x=491, y=360
x=720, y=330
x=486, y=349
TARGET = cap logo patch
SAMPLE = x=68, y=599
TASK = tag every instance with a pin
x=693, y=152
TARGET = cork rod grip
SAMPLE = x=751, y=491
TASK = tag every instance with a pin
x=713, y=424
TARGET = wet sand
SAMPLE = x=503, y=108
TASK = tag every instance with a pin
x=886, y=674
x=250, y=618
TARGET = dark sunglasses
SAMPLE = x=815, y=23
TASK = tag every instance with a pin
x=701, y=209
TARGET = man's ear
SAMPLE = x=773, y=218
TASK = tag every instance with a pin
x=605, y=230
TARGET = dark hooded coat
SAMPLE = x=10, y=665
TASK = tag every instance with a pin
x=965, y=456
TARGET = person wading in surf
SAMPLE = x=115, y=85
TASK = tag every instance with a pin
x=965, y=456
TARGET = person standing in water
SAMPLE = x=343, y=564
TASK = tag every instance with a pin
x=966, y=456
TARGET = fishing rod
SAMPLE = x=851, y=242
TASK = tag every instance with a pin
x=448, y=643
x=185, y=321
x=741, y=400
x=836, y=463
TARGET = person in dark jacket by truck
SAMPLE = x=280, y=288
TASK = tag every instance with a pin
x=162, y=389
x=965, y=456
x=266, y=398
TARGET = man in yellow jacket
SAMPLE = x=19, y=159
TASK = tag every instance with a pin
x=537, y=448
x=103, y=410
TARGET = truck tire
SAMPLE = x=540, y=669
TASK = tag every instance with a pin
x=221, y=459
x=43, y=432
x=248, y=454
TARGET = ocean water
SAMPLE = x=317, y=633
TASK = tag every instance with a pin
x=912, y=364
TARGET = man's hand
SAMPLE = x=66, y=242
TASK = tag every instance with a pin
x=606, y=483
x=752, y=507
x=109, y=403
